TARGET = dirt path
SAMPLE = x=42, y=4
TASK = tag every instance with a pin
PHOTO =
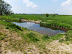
x=37, y=22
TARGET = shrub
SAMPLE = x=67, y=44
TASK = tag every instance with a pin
x=47, y=15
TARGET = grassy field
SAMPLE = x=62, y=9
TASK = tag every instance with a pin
x=16, y=17
x=14, y=38
x=63, y=21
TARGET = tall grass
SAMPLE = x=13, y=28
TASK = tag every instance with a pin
x=10, y=25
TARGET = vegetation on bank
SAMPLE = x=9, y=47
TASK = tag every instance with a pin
x=62, y=21
x=13, y=27
x=30, y=38
x=15, y=39
x=21, y=39
x=17, y=17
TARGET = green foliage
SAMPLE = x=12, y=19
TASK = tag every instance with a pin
x=7, y=27
x=62, y=21
x=47, y=15
x=57, y=37
x=30, y=37
x=0, y=33
x=25, y=52
x=69, y=35
x=4, y=8
x=46, y=37
x=42, y=46
x=10, y=25
x=2, y=38
x=53, y=15
x=61, y=40
x=17, y=18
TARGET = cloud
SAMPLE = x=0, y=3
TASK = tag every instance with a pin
x=65, y=8
x=30, y=3
x=67, y=3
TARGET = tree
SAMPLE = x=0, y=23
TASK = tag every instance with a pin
x=47, y=15
x=5, y=8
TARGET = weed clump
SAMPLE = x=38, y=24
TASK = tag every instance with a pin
x=45, y=37
x=0, y=33
x=32, y=37
x=69, y=35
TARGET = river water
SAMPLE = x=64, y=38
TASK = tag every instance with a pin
x=38, y=28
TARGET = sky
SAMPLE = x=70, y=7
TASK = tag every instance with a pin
x=41, y=6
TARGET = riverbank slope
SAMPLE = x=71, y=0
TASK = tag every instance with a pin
x=17, y=40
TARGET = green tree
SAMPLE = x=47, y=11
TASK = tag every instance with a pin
x=5, y=8
x=47, y=15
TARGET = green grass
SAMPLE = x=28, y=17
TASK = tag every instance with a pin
x=2, y=36
x=17, y=18
x=63, y=21
x=10, y=25
x=29, y=37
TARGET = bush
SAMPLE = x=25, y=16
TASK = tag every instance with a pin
x=47, y=15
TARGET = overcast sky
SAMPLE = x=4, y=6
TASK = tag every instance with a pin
x=41, y=6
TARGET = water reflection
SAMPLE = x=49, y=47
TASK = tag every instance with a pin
x=37, y=28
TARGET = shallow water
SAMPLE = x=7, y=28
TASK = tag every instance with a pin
x=38, y=28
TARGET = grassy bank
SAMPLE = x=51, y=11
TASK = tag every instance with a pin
x=25, y=41
x=17, y=39
x=62, y=21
